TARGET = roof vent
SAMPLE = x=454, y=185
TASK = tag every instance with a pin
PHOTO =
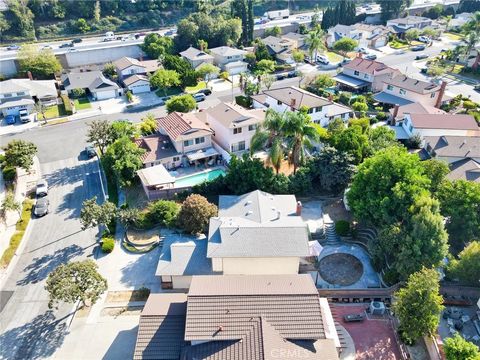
x=249, y=212
x=249, y=202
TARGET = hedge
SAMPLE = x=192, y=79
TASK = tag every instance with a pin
x=67, y=104
x=108, y=244
x=243, y=101
x=342, y=227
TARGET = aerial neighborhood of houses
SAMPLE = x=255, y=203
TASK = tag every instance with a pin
x=233, y=180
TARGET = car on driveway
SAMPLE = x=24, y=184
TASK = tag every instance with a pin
x=418, y=48
x=353, y=317
x=42, y=188
x=362, y=50
x=322, y=60
x=205, y=91
x=13, y=47
x=24, y=117
x=371, y=57
x=10, y=119
x=424, y=39
x=41, y=207
x=199, y=97
x=90, y=151
x=421, y=56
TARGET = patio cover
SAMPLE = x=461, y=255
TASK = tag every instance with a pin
x=315, y=248
x=350, y=81
x=386, y=98
x=202, y=154
x=155, y=175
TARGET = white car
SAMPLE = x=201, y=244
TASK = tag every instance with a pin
x=47, y=46
x=42, y=188
x=199, y=97
x=362, y=50
x=24, y=117
x=322, y=59
x=424, y=39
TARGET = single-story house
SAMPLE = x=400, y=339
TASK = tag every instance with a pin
x=127, y=66
x=137, y=84
x=94, y=83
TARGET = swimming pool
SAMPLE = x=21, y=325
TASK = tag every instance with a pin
x=196, y=179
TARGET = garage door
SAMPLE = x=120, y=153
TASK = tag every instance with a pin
x=237, y=70
x=140, y=88
x=102, y=95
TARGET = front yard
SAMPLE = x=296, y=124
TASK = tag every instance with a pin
x=82, y=104
x=55, y=111
x=193, y=89
x=452, y=36
x=168, y=92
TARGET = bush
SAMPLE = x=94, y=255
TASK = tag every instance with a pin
x=391, y=277
x=195, y=214
x=9, y=173
x=78, y=93
x=224, y=75
x=67, y=104
x=469, y=105
x=381, y=116
x=108, y=243
x=163, y=212
x=244, y=101
x=342, y=227
x=129, y=96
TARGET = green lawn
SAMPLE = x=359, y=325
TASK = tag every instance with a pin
x=170, y=92
x=453, y=36
x=55, y=111
x=82, y=104
x=333, y=57
x=193, y=89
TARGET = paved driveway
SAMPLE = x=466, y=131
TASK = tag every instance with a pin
x=28, y=330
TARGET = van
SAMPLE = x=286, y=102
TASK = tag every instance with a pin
x=322, y=59
x=199, y=97
x=109, y=36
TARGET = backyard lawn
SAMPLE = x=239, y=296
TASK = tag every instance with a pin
x=55, y=111
x=193, y=89
x=82, y=104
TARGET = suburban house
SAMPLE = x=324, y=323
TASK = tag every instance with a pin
x=321, y=110
x=401, y=25
x=229, y=59
x=127, y=66
x=19, y=94
x=297, y=39
x=364, y=75
x=397, y=113
x=233, y=126
x=462, y=153
x=94, y=83
x=403, y=90
x=280, y=48
x=196, y=57
x=436, y=125
x=373, y=36
x=137, y=84
x=257, y=233
x=238, y=318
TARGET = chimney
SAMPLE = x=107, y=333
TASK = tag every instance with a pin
x=299, y=208
x=395, y=113
x=29, y=73
x=440, y=94
x=293, y=102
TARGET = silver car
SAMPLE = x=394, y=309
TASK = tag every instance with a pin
x=41, y=207
x=42, y=188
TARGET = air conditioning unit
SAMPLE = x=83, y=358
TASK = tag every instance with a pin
x=377, y=308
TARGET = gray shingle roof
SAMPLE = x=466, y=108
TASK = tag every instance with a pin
x=444, y=121
x=93, y=80
x=299, y=96
x=227, y=51
x=195, y=54
x=466, y=169
x=230, y=115
x=454, y=146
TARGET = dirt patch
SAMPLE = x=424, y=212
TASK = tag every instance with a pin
x=143, y=237
x=126, y=296
x=83, y=312
x=340, y=269
x=336, y=210
x=121, y=311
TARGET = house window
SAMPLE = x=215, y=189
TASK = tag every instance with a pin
x=199, y=140
x=318, y=109
x=240, y=146
x=237, y=130
x=410, y=127
x=7, y=95
x=176, y=158
x=20, y=93
x=310, y=111
x=252, y=127
x=402, y=92
x=389, y=87
x=356, y=73
x=279, y=102
x=188, y=143
x=132, y=71
x=365, y=76
x=229, y=57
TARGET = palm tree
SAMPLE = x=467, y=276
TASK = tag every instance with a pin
x=315, y=42
x=300, y=132
x=270, y=136
x=447, y=20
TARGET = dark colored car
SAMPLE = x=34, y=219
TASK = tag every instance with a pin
x=477, y=88
x=421, y=56
x=280, y=76
x=292, y=74
x=41, y=207
x=90, y=151
x=10, y=119
x=418, y=48
x=424, y=70
x=371, y=57
x=353, y=317
x=205, y=92
x=66, y=45
x=76, y=41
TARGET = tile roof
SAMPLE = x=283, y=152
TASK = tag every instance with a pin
x=156, y=146
x=408, y=83
x=444, y=121
x=299, y=96
x=196, y=54
x=231, y=115
x=454, y=146
x=416, y=108
x=466, y=169
x=368, y=66
x=134, y=78
x=126, y=62
x=176, y=125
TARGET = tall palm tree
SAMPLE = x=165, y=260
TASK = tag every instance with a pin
x=447, y=20
x=300, y=132
x=315, y=42
x=270, y=136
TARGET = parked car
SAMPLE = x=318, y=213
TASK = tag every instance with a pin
x=362, y=50
x=322, y=60
x=424, y=70
x=199, y=97
x=353, y=317
x=76, y=41
x=477, y=88
x=24, y=117
x=205, y=91
x=424, y=39
x=418, y=48
x=292, y=74
x=13, y=47
x=65, y=45
x=90, y=151
x=421, y=56
x=371, y=57
x=41, y=207
x=280, y=76
x=47, y=46
x=10, y=119
x=42, y=188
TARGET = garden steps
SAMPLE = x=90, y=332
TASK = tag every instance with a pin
x=331, y=235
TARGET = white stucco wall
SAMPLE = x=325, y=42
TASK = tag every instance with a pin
x=131, y=70
x=181, y=282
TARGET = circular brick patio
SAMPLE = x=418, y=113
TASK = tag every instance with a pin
x=340, y=269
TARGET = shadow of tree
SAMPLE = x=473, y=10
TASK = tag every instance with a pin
x=37, y=339
x=40, y=267
x=140, y=271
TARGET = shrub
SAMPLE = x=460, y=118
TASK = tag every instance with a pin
x=414, y=142
x=9, y=173
x=129, y=96
x=143, y=292
x=78, y=93
x=195, y=214
x=2, y=160
x=108, y=243
x=360, y=106
x=67, y=104
x=469, y=105
x=224, y=75
x=381, y=116
x=244, y=101
x=390, y=277
x=342, y=227
x=163, y=212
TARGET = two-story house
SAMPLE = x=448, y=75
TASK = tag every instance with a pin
x=229, y=59
x=21, y=94
x=196, y=57
x=403, y=90
x=364, y=75
x=299, y=40
x=402, y=25
x=233, y=126
x=280, y=48
x=321, y=110
x=373, y=36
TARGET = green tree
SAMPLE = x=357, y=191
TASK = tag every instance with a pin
x=21, y=19
x=187, y=74
x=156, y=46
x=436, y=171
x=195, y=214
x=99, y=133
x=323, y=81
x=418, y=305
x=352, y=141
x=82, y=25
x=298, y=56
x=10, y=204
x=467, y=267
x=181, y=103
x=40, y=108
x=208, y=72
x=148, y=125
x=265, y=66
x=460, y=204
x=123, y=128
x=380, y=138
x=345, y=45
x=203, y=45
x=93, y=214
x=261, y=52
x=457, y=348
x=41, y=63
x=268, y=80
x=75, y=281
x=273, y=31
x=315, y=42
x=109, y=70
x=128, y=216
x=360, y=106
x=4, y=25
x=97, y=11
x=165, y=79
x=412, y=34
x=163, y=212
x=392, y=8
x=124, y=158
x=20, y=153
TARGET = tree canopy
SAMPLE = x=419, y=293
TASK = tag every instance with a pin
x=41, y=63
x=93, y=214
x=20, y=153
x=124, y=158
x=165, y=79
x=392, y=8
x=344, y=12
x=457, y=348
x=156, y=46
x=195, y=214
x=181, y=103
x=467, y=267
x=345, y=45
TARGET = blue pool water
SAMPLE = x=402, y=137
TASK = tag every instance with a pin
x=196, y=179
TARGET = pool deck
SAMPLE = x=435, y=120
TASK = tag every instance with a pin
x=182, y=173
